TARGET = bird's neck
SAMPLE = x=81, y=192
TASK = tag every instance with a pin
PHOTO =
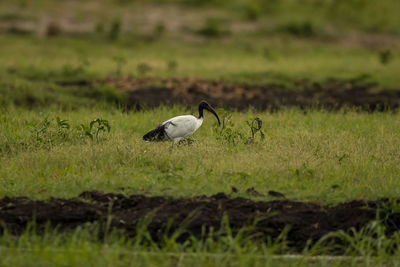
x=199, y=122
x=200, y=112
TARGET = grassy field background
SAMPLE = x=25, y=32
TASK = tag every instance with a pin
x=308, y=155
x=33, y=67
x=317, y=156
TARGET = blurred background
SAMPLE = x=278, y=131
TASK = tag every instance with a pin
x=366, y=22
x=289, y=44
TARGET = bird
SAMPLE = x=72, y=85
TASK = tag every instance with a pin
x=179, y=127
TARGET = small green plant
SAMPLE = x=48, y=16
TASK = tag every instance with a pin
x=227, y=133
x=232, y=136
x=115, y=29
x=47, y=134
x=69, y=70
x=303, y=29
x=385, y=57
x=99, y=28
x=172, y=65
x=226, y=117
x=95, y=128
x=159, y=30
x=119, y=63
x=40, y=129
x=252, y=10
x=63, y=127
x=143, y=68
x=255, y=127
x=303, y=172
x=212, y=28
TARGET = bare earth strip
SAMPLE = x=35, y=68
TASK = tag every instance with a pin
x=306, y=221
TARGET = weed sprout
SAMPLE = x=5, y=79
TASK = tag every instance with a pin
x=233, y=136
x=172, y=65
x=385, y=57
x=100, y=126
x=143, y=68
x=119, y=63
x=47, y=134
x=255, y=127
x=115, y=29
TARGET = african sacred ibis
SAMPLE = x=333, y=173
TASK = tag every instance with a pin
x=180, y=127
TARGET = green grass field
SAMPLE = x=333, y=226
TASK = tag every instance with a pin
x=313, y=155
x=319, y=156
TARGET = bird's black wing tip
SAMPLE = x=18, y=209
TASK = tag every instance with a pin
x=157, y=134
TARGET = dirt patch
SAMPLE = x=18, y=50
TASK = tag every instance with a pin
x=331, y=94
x=307, y=221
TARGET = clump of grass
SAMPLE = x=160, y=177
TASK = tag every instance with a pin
x=252, y=10
x=228, y=134
x=303, y=29
x=76, y=70
x=212, y=28
x=53, y=29
x=15, y=16
x=110, y=246
x=172, y=65
x=385, y=57
x=99, y=243
x=99, y=28
x=255, y=126
x=372, y=240
x=159, y=30
x=95, y=128
x=115, y=29
x=47, y=134
x=119, y=63
x=303, y=172
x=143, y=68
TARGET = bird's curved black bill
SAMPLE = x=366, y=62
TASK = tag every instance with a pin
x=213, y=112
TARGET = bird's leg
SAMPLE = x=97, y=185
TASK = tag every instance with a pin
x=176, y=141
x=189, y=141
x=181, y=142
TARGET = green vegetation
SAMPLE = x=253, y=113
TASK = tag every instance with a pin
x=27, y=80
x=63, y=131
x=316, y=156
x=82, y=248
x=335, y=17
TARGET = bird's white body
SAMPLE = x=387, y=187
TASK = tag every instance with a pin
x=180, y=127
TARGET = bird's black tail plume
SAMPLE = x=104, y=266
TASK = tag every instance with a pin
x=157, y=134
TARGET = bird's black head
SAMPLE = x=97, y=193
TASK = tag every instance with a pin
x=204, y=105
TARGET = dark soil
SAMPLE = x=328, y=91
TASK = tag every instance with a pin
x=307, y=221
x=331, y=94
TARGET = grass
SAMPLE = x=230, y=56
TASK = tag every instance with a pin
x=239, y=61
x=319, y=156
x=340, y=17
x=80, y=247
